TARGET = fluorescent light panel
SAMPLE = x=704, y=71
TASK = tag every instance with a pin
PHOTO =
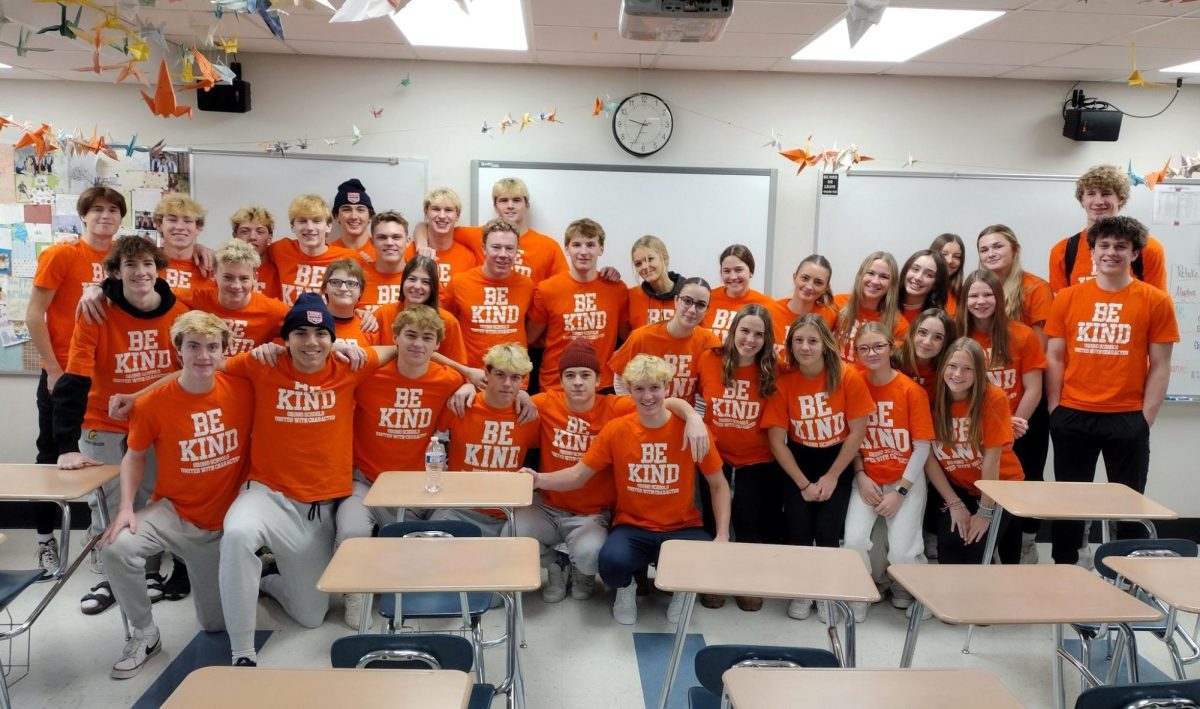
x=490, y=24
x=1189, y=68
x=4, y=66
x=903, y=33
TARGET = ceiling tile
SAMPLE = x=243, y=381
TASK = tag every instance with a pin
x=1073, y=27
x=19, y=73
x=363, y=50
x=319, y=28
x=1062, y=74
x=963, y=4
x=264, y=46
x=784, y=17
x=577, y=13
x=1115, y=7
x=1117, y=57
x=590, y=59
x=739, y=44
x=588, y=39
x=668, y=61
x=981, y=51
x=949, y=69
x=1179, y=33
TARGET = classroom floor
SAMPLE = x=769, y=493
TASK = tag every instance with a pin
x=577, y=656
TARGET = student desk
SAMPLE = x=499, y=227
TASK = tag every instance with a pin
x=257, y=687
x=505, y=565
x=772, y=687
x=772, y=570
x=1025, y=594
x=1174, y=581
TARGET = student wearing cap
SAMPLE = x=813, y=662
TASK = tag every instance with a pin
x=256, y=226
x=385, y=275
x=302, y=261
x=199, y=427
x=353, y=210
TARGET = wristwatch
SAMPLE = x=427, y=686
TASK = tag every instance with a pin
x=902, y=491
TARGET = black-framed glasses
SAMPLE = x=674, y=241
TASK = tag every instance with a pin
x=336, y=283
x=688, y=302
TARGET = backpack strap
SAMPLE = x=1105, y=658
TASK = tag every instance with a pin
x=1072, y=252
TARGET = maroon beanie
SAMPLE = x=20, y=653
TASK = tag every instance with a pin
x=579, y=353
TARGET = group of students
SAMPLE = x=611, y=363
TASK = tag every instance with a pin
x=809, y=417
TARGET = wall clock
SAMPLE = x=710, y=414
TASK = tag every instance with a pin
x=642, y=124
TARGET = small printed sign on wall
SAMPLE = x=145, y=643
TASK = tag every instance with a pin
x=829, y=183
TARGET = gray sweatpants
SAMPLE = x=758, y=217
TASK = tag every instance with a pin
x=490, y=526
x=160, y=529
x=354, y=519
x=583, y=534
x=301, y=537
x=109, y=448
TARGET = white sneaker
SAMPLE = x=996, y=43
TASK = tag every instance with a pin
x=556, y=584
x=1029, y=550
x=799, y=608
x=47, y=554
x=901, y=598
x=1086, y=559
x=860, y=609
x=675, y=609
x=582, y=585
x=134, y=656
x=353, y=610
x=926, y=614
x=822, y=615
x=625, y=605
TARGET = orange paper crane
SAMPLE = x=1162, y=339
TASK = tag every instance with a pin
x=163, y=104
x=95, y=145
x=803, y=157
x=208, y=77
x=40, y=139
x=97, y=41
x=1158, y=176
x=129, y=69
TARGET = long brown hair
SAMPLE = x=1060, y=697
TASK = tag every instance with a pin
x=830, y=358
x=940, y=241
x=766, y=359
x=888, y=307
x=998, y=332
x=943, y=420
x=936, y=297
x=905, y=356
x=1014, y=282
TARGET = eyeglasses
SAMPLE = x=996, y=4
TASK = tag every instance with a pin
x=336, y=283
x=877, y=348
x=687, y=302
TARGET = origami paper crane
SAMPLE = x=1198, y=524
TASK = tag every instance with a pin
x=1191, y=164
x=138, y=50
x=804, y=157
x=376, y=112
x=65, y=27
x=359, y=10
x=302, y=143
x=357, y=135
x=228, y=46
x=97, y=41
x=1135, y=79
x=850, y=157
x=910, y=161
x=130, y=147
x=330, y=141
x=487, y=130
x=550, y=116
x=150, y=32
x=40, y=139
x=164, y=103
x=95, y=145
x=828, y=158
x=607, y=105
x=507, y=122
x=406, y=81
x=22, y=45
x=526, y=119
x=207, y=79
x=861, y=15
x=775, y=143
x=1134, y=178
x=225, y=75
x=271, y=20
x=1153, y=178
x=7, y=121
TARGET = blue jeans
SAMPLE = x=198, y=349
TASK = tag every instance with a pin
x=630, y=548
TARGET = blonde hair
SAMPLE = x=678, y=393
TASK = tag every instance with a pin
x=509, y=357
x=252, y=215
x=652, y=243
x=510, y=187
x=830, y=359
x=584, y=228
x=1104, y=177
x=200, y=324
x=943, y=419
x=647, y=368
x=175, y=203
x=888, y=308
x=309, y=205
x=237, y=251
x=1014, y=282
x=421, y=318
x=998, y=333
x=442, y=194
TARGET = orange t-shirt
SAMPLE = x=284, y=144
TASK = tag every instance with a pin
x=350, y=330
x=782, y=318
x=366, y=252
x=655, y=480
x=901, y=416
x=121, y=355
x=381, y=288
x=394, y=417
x=572, y=310
x=1038, y=298
x=491, y=312
x=566, y=436
x=926, y=377
x=1154, y=264
x=722, y=308
x=1108, y=337
x=200, y=442
x=267, y=281
x=486, y=438
x=682, y=353
x=812, y=416
x=66, y=269
x=864, y=316
x=538, y=256
x=1025, y=353
x=258, y=322
x=963, y=464
x=734, y=413
x=299, y=272
x=451, y=348
x=644, y=310
x=184, y=277
x=450, y=261
x=303, y=425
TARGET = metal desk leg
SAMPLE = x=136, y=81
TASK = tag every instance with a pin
x=1060, y=699
x=1149, y=528
x=1131, y=648
x=910, y=638
x=851, y=656
x=689, y=601
x=512, y=532
x=989, y=550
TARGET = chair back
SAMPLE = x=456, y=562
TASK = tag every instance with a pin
x=1180, y=694
x=712, y=661
x=431, y=528
x=404, y=652
x=1141, y=547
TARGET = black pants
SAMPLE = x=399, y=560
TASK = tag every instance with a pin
x=819, y=523
x=951, y=548
x=1080, y=437
x=706, y=508
x=1031, y=450
x=46, y=516
x=758, y=491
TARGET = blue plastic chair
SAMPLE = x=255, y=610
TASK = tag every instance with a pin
x=714, y=660
x=408, y=652
x=1142, y=696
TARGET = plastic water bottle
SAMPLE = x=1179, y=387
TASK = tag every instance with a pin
x=435, y=463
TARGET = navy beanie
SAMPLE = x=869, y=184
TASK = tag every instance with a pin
x=352, y=192
x=309, y=311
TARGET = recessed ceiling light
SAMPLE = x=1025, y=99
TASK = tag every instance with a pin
x=488, y=24
x=903, y=33
x=1189, y=68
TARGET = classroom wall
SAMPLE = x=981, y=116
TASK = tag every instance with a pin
x=722, y=120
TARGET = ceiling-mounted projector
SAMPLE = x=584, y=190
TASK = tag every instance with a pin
x=675, y=20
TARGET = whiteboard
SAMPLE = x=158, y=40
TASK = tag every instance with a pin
x=902, y=212
x=697, y=212
x=225, y=181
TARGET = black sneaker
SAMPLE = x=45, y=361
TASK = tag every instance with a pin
x=179, y=586
x=244, y=662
